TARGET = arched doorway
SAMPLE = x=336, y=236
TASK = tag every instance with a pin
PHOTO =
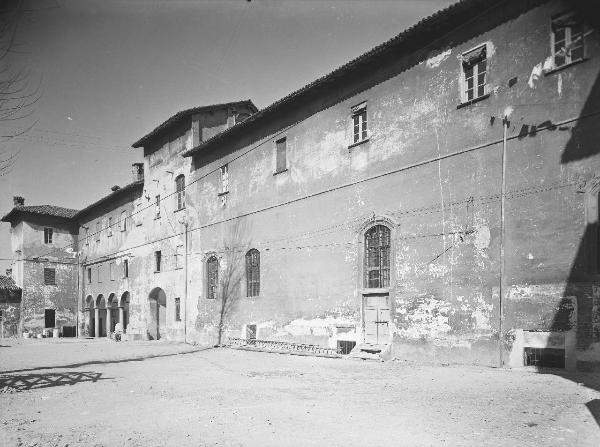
x=100, y=317
x=158, y=312
x=111, y=313
x=88, y=316
x=124, y=310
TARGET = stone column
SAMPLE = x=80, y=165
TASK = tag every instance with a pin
x=108, y=321
x=96, y=322
x=122, y=316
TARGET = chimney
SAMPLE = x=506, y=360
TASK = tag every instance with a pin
x=18, y=201
x=9, y=272
x=115, y=188
x=138, y=172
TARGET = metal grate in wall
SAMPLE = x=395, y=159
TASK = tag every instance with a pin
x=344, y=347
x=545, y=357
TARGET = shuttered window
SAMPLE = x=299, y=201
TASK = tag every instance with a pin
x=180, y=191
x=281, y=156
x=50, y=277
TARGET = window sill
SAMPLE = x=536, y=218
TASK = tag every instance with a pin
x=562, y=67
x=375, y=291
x=221, y=194
x=156, y=217
x=473, y=101
x=280, y=172
x=358, y=143
x=179, y=209
x=157, y=271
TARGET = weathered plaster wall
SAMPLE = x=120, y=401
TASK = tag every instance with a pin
x=444, y=207
x=37, y=255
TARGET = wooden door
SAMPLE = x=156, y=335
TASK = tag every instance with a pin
x=377, y=317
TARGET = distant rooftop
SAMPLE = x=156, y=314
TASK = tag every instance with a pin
x=118, y=192
x=7, y=283
x=41, y=210
x=180, y=116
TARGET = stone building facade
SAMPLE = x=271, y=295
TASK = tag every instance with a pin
x=44, y=243
x=435, y=198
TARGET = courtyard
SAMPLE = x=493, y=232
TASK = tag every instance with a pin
x=100, y=393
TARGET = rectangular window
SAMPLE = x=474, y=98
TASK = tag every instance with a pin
x=109, y=227
x=98, y=225
x=567, y=39
x=99, y=273
x=178, y=260
x=281, y=156
x=50, y=277
x=224, y=171
x=89, y=275
x=125, y=268
x=157, y=207
x=177, y=309
x=123, y=221
x=359, y=122
x=138, y=213
x=48, y=235
x=157, y=260
x=49, y=318
x=87, y=236
x=474, y=74
x=111, y=267
x=180, y=191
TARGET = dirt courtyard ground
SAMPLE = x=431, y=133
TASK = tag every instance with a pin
x=98, y=393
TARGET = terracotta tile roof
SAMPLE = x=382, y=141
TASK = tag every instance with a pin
x=7, y=283
x=113, y=195
x=179, y=116
x=412, y=39
x=42, y=210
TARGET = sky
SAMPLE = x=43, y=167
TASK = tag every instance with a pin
x=109, y=71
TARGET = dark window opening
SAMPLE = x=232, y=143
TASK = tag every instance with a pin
x=125, y=268
x=545, y=357
x=250, y=332
x=89, y=275
x=253, y=273
x=50, y=318
x=377, y=257
x=344, y=347
x=50, y=277
x=177, y=309
x=180, y=191
x=157, y=260
x=212, y=269
x=48, y=235
x=281, y=156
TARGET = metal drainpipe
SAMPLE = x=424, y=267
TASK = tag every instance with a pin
x=505, y=124
x=186, y=284
x=78, y=295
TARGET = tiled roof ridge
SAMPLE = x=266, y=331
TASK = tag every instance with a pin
x=184, y=113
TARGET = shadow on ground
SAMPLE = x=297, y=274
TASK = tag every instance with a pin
x=24, y=382
x=104, y=362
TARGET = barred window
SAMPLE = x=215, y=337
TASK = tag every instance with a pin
x=377, y=257
x=212, y=270
x=253, y=273
x=177, y=309
x=50, y=277
x=180, y=191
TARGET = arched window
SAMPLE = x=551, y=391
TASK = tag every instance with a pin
x=180, y=191
x=253, y=273
x=377, y=257
x=212, y=273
